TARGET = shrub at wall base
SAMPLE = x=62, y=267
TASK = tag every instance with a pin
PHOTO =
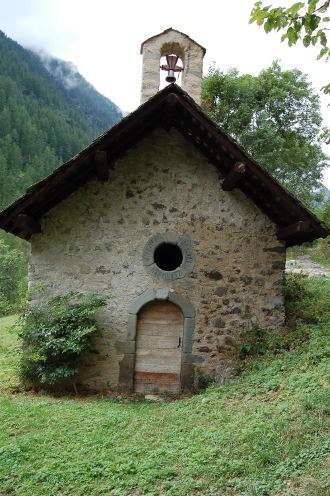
x=54, y=335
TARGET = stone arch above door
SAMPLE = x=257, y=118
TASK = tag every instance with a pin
x=126, y=372
x=184, y=304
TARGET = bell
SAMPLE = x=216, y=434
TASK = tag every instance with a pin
x=171, y=67
x=171, y=62
x=170, y=78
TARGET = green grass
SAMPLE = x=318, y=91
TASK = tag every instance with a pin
x=322, y=257
x=264, y=434
x=8, y=355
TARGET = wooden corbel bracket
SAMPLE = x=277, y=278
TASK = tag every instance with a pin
x=101, y=165
x=234, y=176
x=27, y=224
x=297, y=229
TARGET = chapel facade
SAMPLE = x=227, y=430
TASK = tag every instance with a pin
x=169, y=216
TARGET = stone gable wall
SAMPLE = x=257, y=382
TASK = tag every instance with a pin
x=95, y=240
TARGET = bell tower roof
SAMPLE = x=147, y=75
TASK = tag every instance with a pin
x=174, y=31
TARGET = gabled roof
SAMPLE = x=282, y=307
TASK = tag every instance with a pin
x=171, y=107
x=167, y=31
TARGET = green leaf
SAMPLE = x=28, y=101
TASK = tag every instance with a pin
x=323, y=39
x=297, y=27
x=292, y=36
x=326, y=89
x=314, y=21
x=295, y=8
x=323, y=52
x=307, y=40
x=268, y=26
x=312, y=6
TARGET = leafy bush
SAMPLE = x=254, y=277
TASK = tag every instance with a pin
x=295, y=287
x=301, y=300
x=54, y=335
x=321, y=253
x=255, y=342
x=304, y=305
x=13, y=278
x=202, y=380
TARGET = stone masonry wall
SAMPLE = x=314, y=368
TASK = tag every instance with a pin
x=95, y=239
x=191, y=55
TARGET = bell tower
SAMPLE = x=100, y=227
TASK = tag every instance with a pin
x=172, y=42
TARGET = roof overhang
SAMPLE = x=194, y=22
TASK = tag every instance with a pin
x=171, y=107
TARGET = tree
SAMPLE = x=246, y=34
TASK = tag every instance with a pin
x=276, y=117
x=303, y=21
x=323, y=213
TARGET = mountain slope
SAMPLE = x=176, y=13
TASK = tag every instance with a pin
x=98, y=110
x=42, y=121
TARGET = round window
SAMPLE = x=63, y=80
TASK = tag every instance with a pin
x=168, y=257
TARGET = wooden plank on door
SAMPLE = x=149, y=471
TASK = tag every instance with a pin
x=158, y=347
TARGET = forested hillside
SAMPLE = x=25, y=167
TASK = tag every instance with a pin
x=43, y=122
x=99, y=110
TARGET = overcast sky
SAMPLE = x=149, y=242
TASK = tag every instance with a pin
x=103, y=37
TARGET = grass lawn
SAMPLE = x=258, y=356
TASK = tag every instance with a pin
x=8, y=357
x=264, y=434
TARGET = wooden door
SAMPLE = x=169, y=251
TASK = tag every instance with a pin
x=158, y=348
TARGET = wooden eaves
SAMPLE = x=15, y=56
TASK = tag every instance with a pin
x=171, y=107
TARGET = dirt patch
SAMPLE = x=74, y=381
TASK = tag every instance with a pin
x=304, y=265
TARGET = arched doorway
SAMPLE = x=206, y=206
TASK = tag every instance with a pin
x=159, y=341
x=188, y=360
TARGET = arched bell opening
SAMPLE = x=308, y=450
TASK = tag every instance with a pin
x=171, y=64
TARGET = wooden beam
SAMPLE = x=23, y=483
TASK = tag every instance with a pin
x=27, y=224
x=294, y=230
x=101, y=165
x=234, y=176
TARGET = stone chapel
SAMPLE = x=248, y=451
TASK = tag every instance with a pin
x=168, y=214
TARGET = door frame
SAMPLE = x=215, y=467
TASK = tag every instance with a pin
x=188, y=360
